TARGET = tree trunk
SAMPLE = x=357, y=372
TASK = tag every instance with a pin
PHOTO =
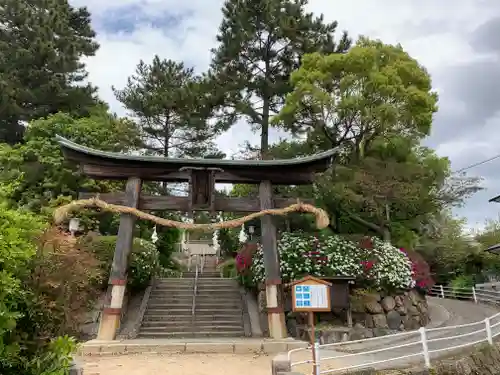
x=166, y=148
x=264, y=135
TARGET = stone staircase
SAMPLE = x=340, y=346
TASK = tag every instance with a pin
x=218, y=307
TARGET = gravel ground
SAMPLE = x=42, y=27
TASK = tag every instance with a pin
x=179, y=364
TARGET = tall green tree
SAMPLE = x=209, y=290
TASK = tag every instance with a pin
x=260, y=43
x=171, y=106
x=352, y=100
x=35, y=173
x=42, y=43
x=375, y=103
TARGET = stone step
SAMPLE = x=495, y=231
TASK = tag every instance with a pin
x=219, y=318
x=217, y=289
x=173, y=292
x=152, y=317
x=218, y=292
x=237, y=317
x=167, y=324
x=203, y=326
x=175, y=281
x=172, y=289
x=213, y=285
x=216, y=305
x=173, y=296
x=220, y=333
x=197, y=326
x=203, y=305
x=199, y=297
x=171, y=299
x=170, y=302
x=210, y=327
x=179, y=282
x=174, y=311
x=211, y=302
x=206, y=273
x=218, y=298
x=201, y=288
x=169, y=305
x=221, y=310
x=174, y=285
x=167, y=329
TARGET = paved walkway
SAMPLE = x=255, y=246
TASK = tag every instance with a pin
x=259, y=364
x=179, y=364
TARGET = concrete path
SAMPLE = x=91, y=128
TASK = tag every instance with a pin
x=458, y=313
x=219, y=345
x=178, y=364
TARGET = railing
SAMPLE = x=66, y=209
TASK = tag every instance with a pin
x=477, y=295
x=202, y=261
x=407, y=348
x=195, y=290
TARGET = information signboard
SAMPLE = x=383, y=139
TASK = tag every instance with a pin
x=311, y=294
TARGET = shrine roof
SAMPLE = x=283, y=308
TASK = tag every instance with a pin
x=113, y=165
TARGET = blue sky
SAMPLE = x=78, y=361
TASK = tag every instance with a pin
x=458, y=45
x=127, y=19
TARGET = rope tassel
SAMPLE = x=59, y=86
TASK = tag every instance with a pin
x=63, y=212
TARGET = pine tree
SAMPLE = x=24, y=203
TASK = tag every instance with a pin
x=261, y=43
x=168, y=100
x=41, y=46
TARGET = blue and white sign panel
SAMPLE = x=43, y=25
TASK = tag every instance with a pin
x=311, y=296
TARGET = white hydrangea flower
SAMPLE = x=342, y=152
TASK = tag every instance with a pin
x=303, y=254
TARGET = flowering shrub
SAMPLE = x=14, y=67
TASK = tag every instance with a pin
x=144, y=263
x=244, y=258
x=374, y=263
x=421, y=271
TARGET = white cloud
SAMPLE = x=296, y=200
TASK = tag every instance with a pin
x=433, y=32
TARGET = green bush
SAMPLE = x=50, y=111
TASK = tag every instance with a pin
x=228, y=240
x=167, y=238
x=25, y=322
x=228, y=268
x=461, y=284
x=143, y=263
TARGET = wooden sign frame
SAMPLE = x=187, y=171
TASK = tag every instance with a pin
x=310, y=281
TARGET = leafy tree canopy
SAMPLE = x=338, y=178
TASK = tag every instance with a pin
x=374, y=91
x=260, y=43
x=41, y=72
x=34, y=173
x=173, y=109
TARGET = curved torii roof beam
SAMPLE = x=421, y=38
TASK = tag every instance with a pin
x=112, y=165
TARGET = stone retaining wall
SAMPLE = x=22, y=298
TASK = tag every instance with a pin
x=374, y=314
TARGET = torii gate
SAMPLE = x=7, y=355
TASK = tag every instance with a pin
x=202, y=175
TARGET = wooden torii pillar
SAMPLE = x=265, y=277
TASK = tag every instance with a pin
x=202, y=175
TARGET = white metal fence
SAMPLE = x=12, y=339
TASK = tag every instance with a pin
x=406, y=348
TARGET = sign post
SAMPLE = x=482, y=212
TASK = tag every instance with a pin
x=311, y=295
